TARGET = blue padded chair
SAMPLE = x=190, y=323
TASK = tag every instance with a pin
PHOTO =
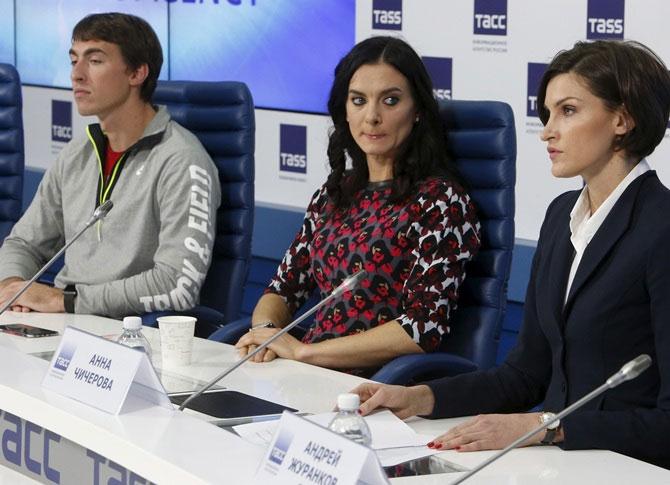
x=11, y=149
x=221, y=115
x=482, y=142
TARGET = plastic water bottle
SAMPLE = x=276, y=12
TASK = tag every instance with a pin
x=133, y=337
x=348, y=422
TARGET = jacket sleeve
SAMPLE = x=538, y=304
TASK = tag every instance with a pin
x=518, y=384
x=447, y=235
x=38, y=235
x=643, y=431
x=188, y=194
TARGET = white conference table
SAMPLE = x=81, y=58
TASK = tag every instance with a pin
x=172, y=447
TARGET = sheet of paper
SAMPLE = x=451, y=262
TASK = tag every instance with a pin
x=393, y=440
x=258, y=433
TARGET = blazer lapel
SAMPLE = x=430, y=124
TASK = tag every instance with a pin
x=561, y=261
x=607, y=236
x=554, y=268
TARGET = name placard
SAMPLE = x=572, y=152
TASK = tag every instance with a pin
x=304, y=452
x=101, y=373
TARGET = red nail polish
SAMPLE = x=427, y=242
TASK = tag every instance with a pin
x=438, y=445
x=457, y=448
x=430, y=445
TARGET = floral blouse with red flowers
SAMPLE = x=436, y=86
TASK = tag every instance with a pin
x=414, y=252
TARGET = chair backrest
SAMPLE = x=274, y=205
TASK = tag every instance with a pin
x=482, y=140
x=11, y=149
x=221, y=115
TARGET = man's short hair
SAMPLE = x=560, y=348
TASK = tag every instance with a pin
x=136, y=39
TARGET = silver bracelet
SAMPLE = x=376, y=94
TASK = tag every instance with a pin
x=267, y=324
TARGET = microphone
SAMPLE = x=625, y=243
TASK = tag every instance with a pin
x=347, y=285
x=98, y=214
x=629, y=371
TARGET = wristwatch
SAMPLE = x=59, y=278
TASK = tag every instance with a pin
x=69, y=295
x=552, y=429
x=267, y=324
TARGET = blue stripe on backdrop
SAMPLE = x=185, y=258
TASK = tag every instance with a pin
x=275, y=228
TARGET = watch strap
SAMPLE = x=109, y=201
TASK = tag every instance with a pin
x=69, y=296
x=549, y=436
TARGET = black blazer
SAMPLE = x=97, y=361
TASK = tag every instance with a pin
x=618, y=308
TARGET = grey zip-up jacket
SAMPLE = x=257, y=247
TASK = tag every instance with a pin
x=153, y=249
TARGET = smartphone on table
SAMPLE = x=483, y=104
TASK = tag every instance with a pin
x=23, y=330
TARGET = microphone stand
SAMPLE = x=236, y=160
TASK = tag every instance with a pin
x=98, y=214
x=629, y=371
x=347, y=284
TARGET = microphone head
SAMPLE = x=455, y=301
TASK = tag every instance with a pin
x=350, y=283
x=635, y=367
x=630, y=370
x=102, y=210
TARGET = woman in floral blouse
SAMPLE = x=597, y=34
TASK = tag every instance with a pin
x=392, y=205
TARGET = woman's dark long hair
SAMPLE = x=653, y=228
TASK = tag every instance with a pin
x=422, y=155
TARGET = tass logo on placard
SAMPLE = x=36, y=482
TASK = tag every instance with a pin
x=535, y=73
x=439, y=69
x=490, y=17
x=293, y=148
x=61, y=120
x=280, y=447
x=387, y=14
x=64, y=358
x=605, y=19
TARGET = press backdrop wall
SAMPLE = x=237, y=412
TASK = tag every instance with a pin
x=474, y=49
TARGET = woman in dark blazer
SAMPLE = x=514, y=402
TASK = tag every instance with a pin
x=599, y=292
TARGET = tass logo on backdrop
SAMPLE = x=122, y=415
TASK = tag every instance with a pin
x=293, y=148
x=490, y=17
x=604, y=19
x=439, y=69
x=535, y=73
x=61, y=120
x=387, y=14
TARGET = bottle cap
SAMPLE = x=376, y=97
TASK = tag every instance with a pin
x=132, y=323
x=348, y=402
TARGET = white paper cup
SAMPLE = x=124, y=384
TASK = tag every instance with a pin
x=176, y=339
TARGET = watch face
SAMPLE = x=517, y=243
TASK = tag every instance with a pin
x=546, y=417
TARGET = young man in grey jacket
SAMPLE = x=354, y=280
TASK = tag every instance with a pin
x=153, y=249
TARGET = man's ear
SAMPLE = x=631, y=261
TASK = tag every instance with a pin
x=139, y=75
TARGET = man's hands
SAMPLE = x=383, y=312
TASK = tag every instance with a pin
x=39, y=297
x=402, y=401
